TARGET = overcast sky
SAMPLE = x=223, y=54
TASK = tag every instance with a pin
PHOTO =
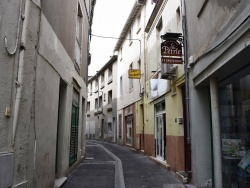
x=109, y=19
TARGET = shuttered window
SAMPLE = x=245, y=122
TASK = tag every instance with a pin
x=74, y=129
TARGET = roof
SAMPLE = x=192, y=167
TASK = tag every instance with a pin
x=112, y=60
x=153, y=15
x=128, y=23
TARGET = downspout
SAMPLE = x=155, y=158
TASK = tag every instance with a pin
x=145, y=78
x=19, y=81
x=184, y=28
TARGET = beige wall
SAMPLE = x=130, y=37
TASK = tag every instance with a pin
x=64, y=25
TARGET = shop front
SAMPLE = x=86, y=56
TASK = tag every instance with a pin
x=234, y=114
x=129, y=126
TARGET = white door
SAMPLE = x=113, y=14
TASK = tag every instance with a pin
x=160, y=137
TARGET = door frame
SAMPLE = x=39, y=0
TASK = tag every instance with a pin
x=162, y=153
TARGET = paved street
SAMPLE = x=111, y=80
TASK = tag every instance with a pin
x=109, y=165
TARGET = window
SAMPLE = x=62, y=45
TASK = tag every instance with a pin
x=159, y=25
x=96, y=85
x=90, y=88
x=102, y=81
x=110, y=71
x=96, y=103
x=110, y=105
x=78, y=40
x=130, y=36
x=110, y=127
x=100, y=101
x=234, y=111
x=110, y=97
x=121, y=53
x=138, y=24
x=131, y=84
x=178, y=16
x=104, y=97
x=102, y=77
x=158, y=41
x=74, y=128
x=110, y=75
x=88, y=106
x=121, y=87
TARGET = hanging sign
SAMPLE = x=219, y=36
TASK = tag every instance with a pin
x=134, y=73
x=171, y=52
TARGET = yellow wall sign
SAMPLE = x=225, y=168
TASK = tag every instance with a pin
x=134, y=73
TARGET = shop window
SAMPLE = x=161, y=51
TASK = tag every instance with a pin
x=234, y=101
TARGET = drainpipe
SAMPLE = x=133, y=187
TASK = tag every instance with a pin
x=216, y=133
x=145, y=78
x=184, y=28
x=19, y=81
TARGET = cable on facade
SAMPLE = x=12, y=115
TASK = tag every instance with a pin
x=222, y=40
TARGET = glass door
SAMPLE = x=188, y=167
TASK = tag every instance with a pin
x=160, y=138
x=129, y=139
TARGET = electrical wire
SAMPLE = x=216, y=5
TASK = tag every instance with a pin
x=222, y=40
x=118, y=38
x=140, y=94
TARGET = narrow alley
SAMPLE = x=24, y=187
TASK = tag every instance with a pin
x=124, y=93
x=133, y=169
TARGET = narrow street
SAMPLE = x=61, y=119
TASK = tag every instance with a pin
x=99, y=169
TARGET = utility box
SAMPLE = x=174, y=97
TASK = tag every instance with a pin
x=6, y=169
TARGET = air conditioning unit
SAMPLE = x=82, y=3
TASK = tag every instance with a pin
x=168, y=71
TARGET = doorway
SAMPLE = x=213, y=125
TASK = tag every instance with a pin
x=160, y=137
x=160, y=131
x=102, y=129
x=129, y=139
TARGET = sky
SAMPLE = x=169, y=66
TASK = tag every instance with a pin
x=108, y=21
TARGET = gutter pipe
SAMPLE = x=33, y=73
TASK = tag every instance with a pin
x=19, y=81
x=184, y=28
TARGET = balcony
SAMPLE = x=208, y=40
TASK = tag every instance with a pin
x=102, y=84
x=110, y=79
x=110, y=106
x=95, y=111
x=99, y=110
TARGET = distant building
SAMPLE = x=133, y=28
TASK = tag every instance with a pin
x=43, y=90
x=150, y=110
x=102, y=103
x=130, y=49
